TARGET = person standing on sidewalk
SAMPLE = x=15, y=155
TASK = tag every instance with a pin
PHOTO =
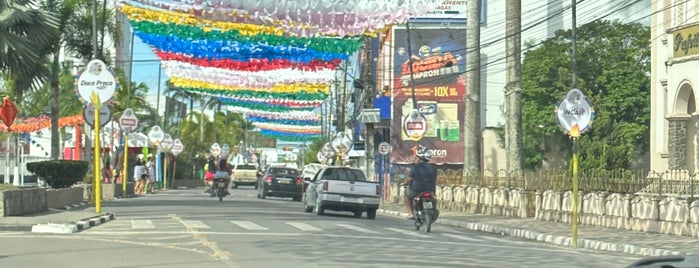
x=139, y=174
x=150, y=187
x=422, y=178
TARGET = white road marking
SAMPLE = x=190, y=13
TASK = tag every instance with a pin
x=358, y=229
x=408, y=232
x=463, y=237
x=303, y=226
x=142, y=224
x=249, y=225
x=194, y=224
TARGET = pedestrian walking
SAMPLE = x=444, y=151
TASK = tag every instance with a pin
x=107, y=173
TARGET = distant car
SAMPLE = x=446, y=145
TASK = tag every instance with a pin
x=309, y=171
x=280, y=182
x=342, y=189
x=245, y=175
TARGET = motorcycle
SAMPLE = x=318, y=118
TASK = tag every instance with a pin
x=218, y=188
x=425, y=210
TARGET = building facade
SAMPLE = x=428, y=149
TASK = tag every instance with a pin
x=674, y=66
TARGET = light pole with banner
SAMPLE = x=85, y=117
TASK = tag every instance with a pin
x=165, y=146
x=96, y=85
x=128, y=122
x=155, y=136
x=575, y=114
x=177, y=148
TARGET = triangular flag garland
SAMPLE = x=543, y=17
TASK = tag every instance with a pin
x=274, y=61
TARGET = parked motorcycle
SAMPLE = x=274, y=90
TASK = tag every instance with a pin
x=425, y=210
x=218, y=188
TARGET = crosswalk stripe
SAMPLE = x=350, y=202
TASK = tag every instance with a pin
x=408, y=232
x=142, y=224
x=195, y=224
x=303, y=226
x=249, y=225
x=463, y=237
x=357, y=228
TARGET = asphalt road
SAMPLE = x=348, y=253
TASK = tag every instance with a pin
x=187, y=228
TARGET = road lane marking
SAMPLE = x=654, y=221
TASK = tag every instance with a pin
x=190, y=224
x=303, y=226
x=408, y=232
x=142, y=224
x=357, y=228
x=463, y=237
x=249, y=225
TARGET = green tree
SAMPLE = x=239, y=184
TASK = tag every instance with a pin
x=613, y=66
x=74, y=35
x=25, y=32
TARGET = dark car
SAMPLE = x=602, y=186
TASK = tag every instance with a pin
x=280, y=182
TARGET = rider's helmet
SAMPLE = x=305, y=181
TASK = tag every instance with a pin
x=424, y=153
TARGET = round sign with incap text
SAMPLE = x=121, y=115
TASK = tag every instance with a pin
x=96, y=78
x=575, y=113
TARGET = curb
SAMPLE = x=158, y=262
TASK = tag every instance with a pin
x=549, y=238
x=67, y=228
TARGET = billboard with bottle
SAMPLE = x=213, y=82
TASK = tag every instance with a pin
x=428, y=105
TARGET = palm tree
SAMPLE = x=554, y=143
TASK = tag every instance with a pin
x=25, y=33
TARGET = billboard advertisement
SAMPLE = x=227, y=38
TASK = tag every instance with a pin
x=428, y=94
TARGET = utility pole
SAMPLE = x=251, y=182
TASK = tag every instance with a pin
x=472, y=114
x=513, y=90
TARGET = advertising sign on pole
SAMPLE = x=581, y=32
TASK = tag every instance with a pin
x=96, y=78
x=177, y=147
x=431, y=115
x=128, y=120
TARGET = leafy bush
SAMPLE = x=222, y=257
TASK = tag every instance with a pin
x=59, y=173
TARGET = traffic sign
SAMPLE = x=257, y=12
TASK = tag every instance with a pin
x=575, y=113
x=384, y=148
x=215, y=149
x=177, y=147
x=97, y=78
x=156, y=135
x=89, y=115
x=128, y=120
x=166, y=143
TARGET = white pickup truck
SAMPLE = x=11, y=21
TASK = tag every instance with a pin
x=341, y=189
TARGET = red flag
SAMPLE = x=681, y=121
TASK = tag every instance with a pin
x=8, y=112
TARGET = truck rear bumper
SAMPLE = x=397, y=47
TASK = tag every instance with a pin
x=349, y=203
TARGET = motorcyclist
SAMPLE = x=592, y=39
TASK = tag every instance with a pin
x=422, y=178
x=223, y=171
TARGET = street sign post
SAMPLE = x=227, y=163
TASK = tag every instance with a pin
x=97, y=78
x=128, y=120
x=384, y=148
x=177, y=147
x=156, y=135
x=575, y=114
x=89, y=115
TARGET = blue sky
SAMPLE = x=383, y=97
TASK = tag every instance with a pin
x=145, y=70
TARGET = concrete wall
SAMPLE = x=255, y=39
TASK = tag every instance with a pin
x=644, y=213
x=23, y=201
x=60, y=198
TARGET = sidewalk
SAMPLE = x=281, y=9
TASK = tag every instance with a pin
x=74, y=219
x=589, y=237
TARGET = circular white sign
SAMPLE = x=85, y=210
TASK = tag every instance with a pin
x=96, y=78
x=128, y=120
x=574, y=111
x=341, y=143
x=177, y=147
x=384, y=148
x=328, y=150
x=215, y=149
x=156, y=135
x=166, y=143
x=415, y=125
